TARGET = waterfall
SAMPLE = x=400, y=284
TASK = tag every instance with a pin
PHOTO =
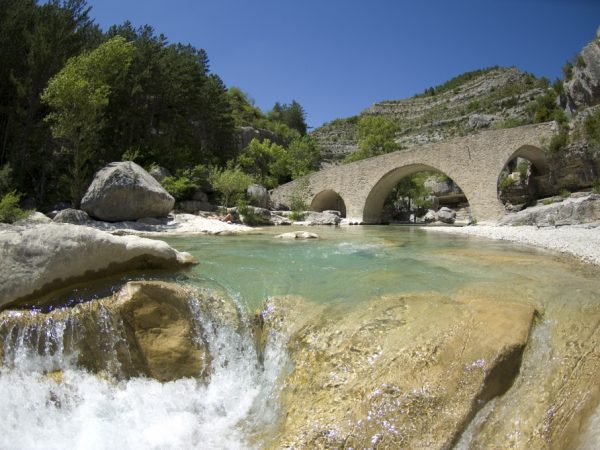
x=50, y=402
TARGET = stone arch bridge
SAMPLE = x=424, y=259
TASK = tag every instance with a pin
x=474, y=162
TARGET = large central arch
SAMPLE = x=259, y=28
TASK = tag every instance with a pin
x=376, y=198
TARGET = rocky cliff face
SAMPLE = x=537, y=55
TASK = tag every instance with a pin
x=496, y=97
x=583, y=86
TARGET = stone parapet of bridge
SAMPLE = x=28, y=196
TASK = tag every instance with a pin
x=473, y=162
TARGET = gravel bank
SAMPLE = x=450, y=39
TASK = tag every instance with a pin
x=581, y=241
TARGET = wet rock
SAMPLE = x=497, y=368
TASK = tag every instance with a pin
x=125, y=191
x=150, y=329
x=41, y=258
x=298, y=235
x=73, y=216
x=404, y=371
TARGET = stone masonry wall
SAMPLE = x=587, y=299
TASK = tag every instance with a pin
x=473, y=162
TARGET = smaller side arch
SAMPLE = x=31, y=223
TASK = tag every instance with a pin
x=534, y=154
x=328, y=200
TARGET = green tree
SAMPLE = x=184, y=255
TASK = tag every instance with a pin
x=376, y=136
x=78, y=96
x=266, y=161
x=411, y=193
x=303, y=156
x=292, y=115
x=36, y=39
x=229, y=182
x=168, y=106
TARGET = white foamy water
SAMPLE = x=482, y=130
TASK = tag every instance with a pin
x=85, y=411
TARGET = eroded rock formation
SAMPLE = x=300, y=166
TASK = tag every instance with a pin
x=399, y=372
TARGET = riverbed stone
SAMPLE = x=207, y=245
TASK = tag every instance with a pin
x=403, y=371
x=302, y=235
x=322, y=218
x=446, y=215
x=125, y=191
x=39, y=259
x=73, y=216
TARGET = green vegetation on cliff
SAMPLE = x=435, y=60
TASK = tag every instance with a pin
x=494, y=97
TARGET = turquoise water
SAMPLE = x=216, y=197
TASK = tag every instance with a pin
x=240, y=400
x=358, y=263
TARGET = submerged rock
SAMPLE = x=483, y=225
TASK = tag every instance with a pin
x=39, y=259
x=125, y=191
x=404, y=371
x=297, y=235
x=151, y=329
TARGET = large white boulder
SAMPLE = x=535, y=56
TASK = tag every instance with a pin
x=125, y=191
x=41, y=258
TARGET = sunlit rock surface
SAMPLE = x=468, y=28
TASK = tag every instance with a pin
x=41, y=258
x=398, y=372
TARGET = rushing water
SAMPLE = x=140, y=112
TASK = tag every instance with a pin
x=350, y=265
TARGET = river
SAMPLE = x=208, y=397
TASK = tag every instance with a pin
x=347, y=266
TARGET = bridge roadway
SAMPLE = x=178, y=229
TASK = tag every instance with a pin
x=474, y=162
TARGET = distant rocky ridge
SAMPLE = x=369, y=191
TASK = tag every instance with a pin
x=495, y=97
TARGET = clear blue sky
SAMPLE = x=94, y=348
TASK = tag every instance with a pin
x=337, y=57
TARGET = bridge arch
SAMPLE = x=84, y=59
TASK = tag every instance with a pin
x=328, y=200
x=373, y=207
x=474, y=162
x=535, y=155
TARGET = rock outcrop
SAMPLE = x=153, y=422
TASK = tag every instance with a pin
x=404, y=371
x=258, y=195
x=159, y=173
x=39, y=259
x=125, y=191
x=151, y=329
x=571, y=211
x=248, y=133
x=583, y=87
x=446, y=215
